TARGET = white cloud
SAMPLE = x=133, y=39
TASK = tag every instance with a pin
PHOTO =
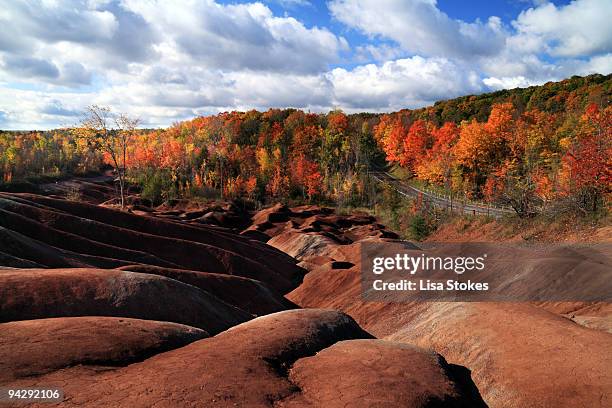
x=241, y=36
x=58, y=21
x=527, y=70
x=511, y=63
x=25, y=109
x=29, y=67
x=579, y=28
x=166, y=61
x=420, y=27
x=103, y=35
x=159, y=60
x=294, y=3
x=544, y=31
x=403, y=83
x=509, y=82
x=601, y=64
x=382, y=52
x=29, y=26
x=268, y=90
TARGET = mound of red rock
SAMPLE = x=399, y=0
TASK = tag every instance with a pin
x=41, y=293
x=269, y=362
x=229, y=216
x=136, y=332
x=369, y=373
x=86, y=290
x=246, y=294
x=40, y=231
x=36, y=347
x=520, y=354
x=311, y=231
x=94, y=189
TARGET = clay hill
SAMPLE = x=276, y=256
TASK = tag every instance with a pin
x=550, y=354
x=193, y=304
x=153, y=307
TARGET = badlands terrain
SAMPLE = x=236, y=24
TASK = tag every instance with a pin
x=199, y=305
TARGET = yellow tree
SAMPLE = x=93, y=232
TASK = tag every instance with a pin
x=111, y=134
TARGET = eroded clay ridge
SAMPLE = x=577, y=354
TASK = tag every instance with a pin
x=550, y=354
x=159, y=309
x=43, y=232
x=298, y=358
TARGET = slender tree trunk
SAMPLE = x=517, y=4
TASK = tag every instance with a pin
x=120, y=175
x=221, y=166
x=121, y=182
x=123, y=171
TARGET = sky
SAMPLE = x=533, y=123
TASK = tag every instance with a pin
x=165, y=61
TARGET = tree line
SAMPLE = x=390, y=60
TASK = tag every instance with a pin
x=538, y=148
x=531, y=161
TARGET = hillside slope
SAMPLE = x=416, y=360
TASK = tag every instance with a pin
x=520, y=354
x=162, y=309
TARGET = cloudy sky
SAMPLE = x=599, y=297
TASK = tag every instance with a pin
x=165, y=61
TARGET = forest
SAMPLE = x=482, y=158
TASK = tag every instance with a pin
x=543, y=148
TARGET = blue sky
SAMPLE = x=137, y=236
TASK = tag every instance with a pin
x=167, y=61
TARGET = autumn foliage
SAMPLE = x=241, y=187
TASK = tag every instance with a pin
x=272, y=155
x=523, y=160
x=526, y=148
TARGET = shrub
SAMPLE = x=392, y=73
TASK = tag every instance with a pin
x=157, y=187
x=418, y=227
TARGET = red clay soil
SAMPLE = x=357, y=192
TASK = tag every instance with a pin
x=520, y=354
x=178, y=283
x=594, y=315
x=376, y=373
x=36, y=347
x=93, y=190
x=480, y=229
x=135, y=333
x=247, y=294
x=256, y=363
x=46, y=232
x=41, y=293
x=319, y=221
